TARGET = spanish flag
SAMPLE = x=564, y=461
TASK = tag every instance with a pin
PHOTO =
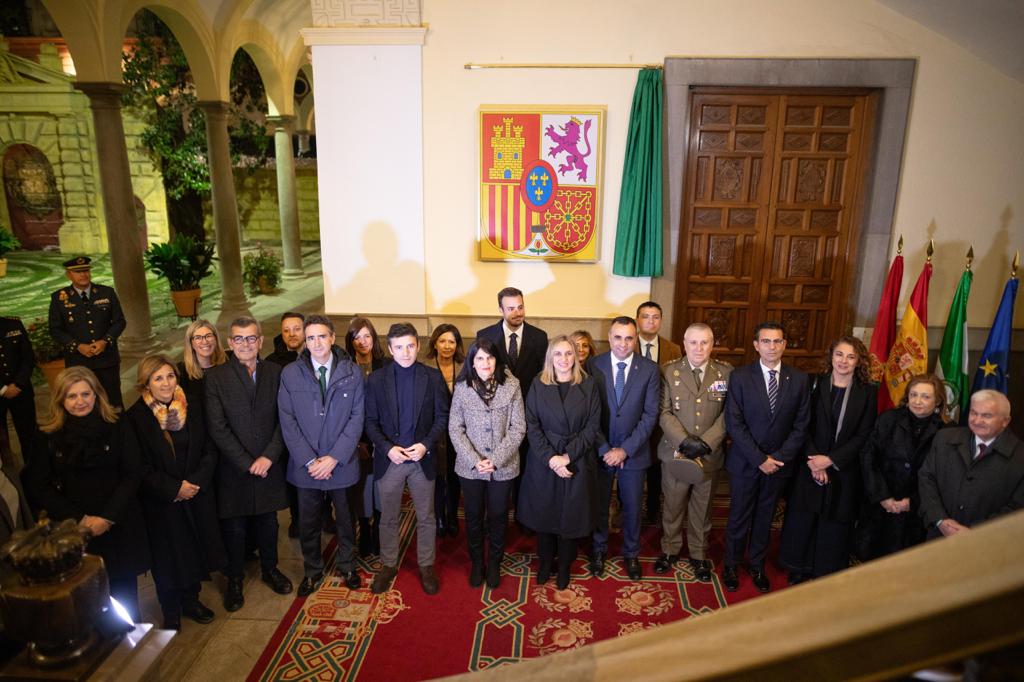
x=909, y=354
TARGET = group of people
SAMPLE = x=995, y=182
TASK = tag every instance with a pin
x=191, y=478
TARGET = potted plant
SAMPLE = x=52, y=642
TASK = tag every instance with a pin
x=183, y=262
x=49, y=355
x=261, y=270
x=8, y=243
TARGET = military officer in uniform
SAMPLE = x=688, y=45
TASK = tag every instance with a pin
x=693, y=391
x=85, y=320
x=16, y=395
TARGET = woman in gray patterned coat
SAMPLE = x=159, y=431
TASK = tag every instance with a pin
x=486, y=425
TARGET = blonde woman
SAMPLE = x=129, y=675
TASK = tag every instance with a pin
x=558, y=494
x=87, y=468
x=203, y=350
x=176, y=491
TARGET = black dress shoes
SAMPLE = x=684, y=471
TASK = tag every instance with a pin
x=309, y=584
x=197, y=611
x=633, y=568
x=760, y=579
x=701, y=569
x=233, y=597
x=383, y=579
x=730, y=579
x=596, y=565
x=795, y=578
x=665, y=563
x=277, y=581
x=352, y=579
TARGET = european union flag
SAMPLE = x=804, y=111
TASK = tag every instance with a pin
x=993, y=371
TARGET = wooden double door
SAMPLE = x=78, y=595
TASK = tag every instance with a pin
x=771, y=210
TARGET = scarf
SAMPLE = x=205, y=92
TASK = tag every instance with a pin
x=486, y=389
x=170, y=417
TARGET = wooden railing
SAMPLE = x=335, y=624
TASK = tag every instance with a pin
x=939, y=602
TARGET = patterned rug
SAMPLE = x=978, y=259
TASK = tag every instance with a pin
x=340, y=634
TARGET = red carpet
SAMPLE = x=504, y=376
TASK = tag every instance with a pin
x=338, y=634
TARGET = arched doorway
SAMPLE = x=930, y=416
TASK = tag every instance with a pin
x=33, y=203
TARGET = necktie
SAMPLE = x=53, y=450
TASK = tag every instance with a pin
x=647, y=353
x=696, y=375
x=773, y=389
x=513, y=349
x=620, y=382
x=322, y=370
x=981, y=451
x=85, y=296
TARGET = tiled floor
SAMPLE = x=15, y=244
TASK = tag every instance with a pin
x=226, y=649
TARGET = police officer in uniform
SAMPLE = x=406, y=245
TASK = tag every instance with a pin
x=85, y=320
x=16, y=395
x=693, y=391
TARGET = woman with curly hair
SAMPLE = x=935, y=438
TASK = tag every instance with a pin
x=826, y=492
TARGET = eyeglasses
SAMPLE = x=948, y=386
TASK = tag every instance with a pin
x=204, y=337
x=247, y=340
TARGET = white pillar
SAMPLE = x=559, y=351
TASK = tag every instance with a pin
x=287, y=204
x=368, y=89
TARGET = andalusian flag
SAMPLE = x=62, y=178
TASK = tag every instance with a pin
x=952, y=363
x=993, y=371
x=909, y=354
x=885, y=327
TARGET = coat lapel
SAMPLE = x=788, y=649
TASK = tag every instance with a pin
x=391, y=393
x=419, y=389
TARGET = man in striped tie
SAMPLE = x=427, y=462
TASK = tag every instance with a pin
x=766, y=415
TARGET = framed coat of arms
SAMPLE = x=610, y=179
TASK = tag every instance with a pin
x=541, y=182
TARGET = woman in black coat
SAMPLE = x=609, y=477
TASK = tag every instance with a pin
x=558, y=494
x=87, y=468
x=825, y=499
x=177, y=492
x=890, y=461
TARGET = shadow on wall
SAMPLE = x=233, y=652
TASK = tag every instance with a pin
x=383, y=276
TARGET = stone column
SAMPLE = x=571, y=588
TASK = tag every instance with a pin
x=303, y=138
x=225, y=212
x=119, y=211
x=287, y=204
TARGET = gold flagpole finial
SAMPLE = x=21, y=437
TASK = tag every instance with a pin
x=899, y=246
x=931, y=250
x=970, y=257
x=1016, y=264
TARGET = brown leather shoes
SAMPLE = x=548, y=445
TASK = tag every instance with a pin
x=428, y=580
x=383, y=579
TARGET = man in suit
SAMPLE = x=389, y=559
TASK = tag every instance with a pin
x=16, y=363
x=320, y=403
x=629, y=387
x=766, y=415
x=973, y=474
x=693, y=394
x=406, y=415
x=85, y=320
x=521, y=346
x=654, y=347
x=241, y=415
x=287, y=346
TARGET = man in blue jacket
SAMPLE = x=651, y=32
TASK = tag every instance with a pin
x=631, y=393
x=320, y=403
x=406, y=414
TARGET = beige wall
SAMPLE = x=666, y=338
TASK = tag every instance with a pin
x=258, y=213
x=963, y=167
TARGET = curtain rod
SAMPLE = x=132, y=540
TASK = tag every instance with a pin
x=510, y=65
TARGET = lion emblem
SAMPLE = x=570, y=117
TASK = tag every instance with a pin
x=568, y=141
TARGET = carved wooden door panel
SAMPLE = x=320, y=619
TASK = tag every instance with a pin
x=769, y=217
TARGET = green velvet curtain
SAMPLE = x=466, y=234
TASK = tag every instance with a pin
x=638, y=243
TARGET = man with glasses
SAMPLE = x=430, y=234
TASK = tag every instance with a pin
x=241, y=411
x=321, y=408
x=766, y=415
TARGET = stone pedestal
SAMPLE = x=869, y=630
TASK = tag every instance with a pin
x=225, y=213
x=286, y=202
x=119, y=210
